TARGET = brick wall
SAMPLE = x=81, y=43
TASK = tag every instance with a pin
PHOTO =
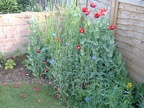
x=14, y=30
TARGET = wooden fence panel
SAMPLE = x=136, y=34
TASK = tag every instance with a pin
x=128, y=16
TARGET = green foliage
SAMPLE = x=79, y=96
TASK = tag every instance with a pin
x=37, y=61
x=2, y=60
x=9, y=64
x=86, y=67
x=139, y=95
x=23, y=4
x=8, y=6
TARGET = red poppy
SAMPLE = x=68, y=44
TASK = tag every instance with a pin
x=87, y=12
x=58, y=39
x=37, y=51
x=16, y=85
x=23, y=74
x=57, y=96
x=78, y=47
x=112, y=27
x=39, y=101
x=81, y=30
x=96, y=15
x=84, y=9
x=22, y=96
x=103, y=11
x=46, y=69
x=93, y=5
x=35, y=88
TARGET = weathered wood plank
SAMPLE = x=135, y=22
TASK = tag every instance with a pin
x=130, y=28
x=130, y=15
x=103, y=1
x=132, y=8
x=112, y=12
x=134, y=76
x=133, y=58
x=130, y=48
x=131, y=22
x=137, y=43
x=137, y=70
x=131, y=34
x=133, y=2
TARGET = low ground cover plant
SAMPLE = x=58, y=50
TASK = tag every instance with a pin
x=80, y=58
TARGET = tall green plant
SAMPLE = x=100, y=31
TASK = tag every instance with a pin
x=84, y=64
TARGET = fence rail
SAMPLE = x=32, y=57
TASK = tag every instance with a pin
x=128, y=15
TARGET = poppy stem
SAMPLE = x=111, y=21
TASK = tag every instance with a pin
x=86, y=3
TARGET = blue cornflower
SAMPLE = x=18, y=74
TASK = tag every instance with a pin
x=46, y=8
x=54, y=34
x=94, y=58
x=67, y=44
x=87, y=99
x=51, y=61
x=75, y=15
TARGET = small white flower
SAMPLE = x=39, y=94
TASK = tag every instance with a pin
x=54, y=34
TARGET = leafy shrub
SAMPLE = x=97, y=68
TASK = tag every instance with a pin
x=9, y=64
x=139, y=95
x=84, y=64
x=8, y=6
x=23, y=4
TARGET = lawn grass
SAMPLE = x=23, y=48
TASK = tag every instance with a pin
x=10, y=97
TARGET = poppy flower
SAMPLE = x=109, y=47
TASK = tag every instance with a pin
x=37, y=51
x=58, y=39
x=39, y=101
x=81, y=30
x=78, y=47
x=93, y=5
x=23, y=74
x=112, y=27
x=87, y=12
x=16, y=85
x=103, y=11
x=84, y=9
x=46, y=69
x=96, y=15
x=57, y=96
x=35, y=88
x=22, y=96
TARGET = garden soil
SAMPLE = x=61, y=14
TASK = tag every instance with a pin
x=19, y=74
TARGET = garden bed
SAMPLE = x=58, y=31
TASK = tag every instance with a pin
x=19, y=73
x=80, y=59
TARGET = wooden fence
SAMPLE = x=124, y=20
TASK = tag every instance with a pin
x=128, y=16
